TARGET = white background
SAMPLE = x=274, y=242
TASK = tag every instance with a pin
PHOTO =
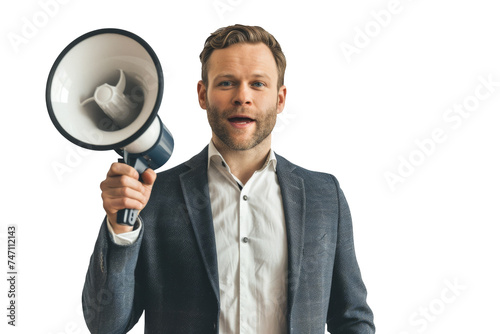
x=356, y=116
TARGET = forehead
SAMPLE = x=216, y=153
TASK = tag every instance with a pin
x=243, y=59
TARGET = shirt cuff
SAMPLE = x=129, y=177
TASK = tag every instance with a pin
x=127, y=238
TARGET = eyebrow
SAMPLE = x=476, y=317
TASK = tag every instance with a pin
x=232, y=76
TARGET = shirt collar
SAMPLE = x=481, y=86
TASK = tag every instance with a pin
x=215, y=157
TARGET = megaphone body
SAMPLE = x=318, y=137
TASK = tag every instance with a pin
x=103, y=93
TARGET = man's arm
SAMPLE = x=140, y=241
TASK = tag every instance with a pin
x=111, y=296
x=348, y=311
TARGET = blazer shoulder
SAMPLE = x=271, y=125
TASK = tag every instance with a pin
x=173, y=172
x=197, y=161
x=308, y=175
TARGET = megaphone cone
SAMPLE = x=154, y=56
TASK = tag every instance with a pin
x=103, y=92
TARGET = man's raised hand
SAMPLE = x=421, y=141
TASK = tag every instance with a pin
x=122, y=189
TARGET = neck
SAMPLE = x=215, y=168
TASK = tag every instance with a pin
x=243, y=163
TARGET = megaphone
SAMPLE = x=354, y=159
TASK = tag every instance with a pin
x=103, y=93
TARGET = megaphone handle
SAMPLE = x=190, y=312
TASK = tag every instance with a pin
x=129, y=216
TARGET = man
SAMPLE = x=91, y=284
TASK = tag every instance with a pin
x=237, y=239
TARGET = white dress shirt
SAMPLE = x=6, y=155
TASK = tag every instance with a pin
x=251, y=243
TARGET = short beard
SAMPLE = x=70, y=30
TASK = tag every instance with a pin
x=264, y=127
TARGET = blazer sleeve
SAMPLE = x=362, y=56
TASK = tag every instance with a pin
x=111, y=296
x=348, y=311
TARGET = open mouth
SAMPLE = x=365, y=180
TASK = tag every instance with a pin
x=240, y=120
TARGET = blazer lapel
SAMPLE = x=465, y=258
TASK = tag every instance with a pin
x=293, y=194
x=194, y=185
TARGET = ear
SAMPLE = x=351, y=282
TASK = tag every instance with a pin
x=202, y=95
x=281, y=99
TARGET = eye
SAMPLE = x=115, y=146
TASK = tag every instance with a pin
x=225, y=84
x=258, y=84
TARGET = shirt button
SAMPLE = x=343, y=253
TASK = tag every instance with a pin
x=245, y=197
x=245, y=239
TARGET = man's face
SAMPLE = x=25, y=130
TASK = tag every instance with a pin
x=242, y=99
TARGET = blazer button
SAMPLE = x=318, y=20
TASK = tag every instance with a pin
x=245, y=197
x=245, y=239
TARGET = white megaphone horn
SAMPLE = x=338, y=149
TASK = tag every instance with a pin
x=103, y=93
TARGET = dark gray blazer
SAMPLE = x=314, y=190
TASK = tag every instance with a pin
x=171, y=271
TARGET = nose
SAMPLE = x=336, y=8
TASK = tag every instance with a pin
x=242, y=96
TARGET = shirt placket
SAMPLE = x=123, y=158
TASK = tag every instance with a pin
x=246, y=308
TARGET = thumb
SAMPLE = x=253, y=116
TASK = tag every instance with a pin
x=148, y=177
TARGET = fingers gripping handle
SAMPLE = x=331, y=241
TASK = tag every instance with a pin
x=129, y=216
